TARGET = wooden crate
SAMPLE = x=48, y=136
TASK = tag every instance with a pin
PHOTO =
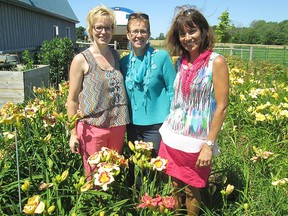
x=17, y=86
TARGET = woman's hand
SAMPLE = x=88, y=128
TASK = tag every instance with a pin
x=74, y=144
x=205, y=156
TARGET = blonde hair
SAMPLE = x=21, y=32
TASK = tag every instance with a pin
x=97, y=12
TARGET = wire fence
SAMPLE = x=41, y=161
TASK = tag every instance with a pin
x=250, y=52
x=275, y=54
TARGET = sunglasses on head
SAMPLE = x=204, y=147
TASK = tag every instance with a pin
x=188, y=12
x=138, y=15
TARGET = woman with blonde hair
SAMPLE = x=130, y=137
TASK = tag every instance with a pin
x=96, y=90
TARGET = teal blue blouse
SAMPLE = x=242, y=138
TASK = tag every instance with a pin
x=149, y=100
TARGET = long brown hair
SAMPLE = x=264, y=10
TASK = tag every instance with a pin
x=188, y=17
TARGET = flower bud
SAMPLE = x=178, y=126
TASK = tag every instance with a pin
x=26, y=186
x=102, y=213
x=246, y=206
x=51, y=209
x=64, y=175
x=140, y=163
x=229, y=189
x=131, y=146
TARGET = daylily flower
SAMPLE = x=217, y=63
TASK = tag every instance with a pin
x=11, y=119
x=107, y=167
x=140, y=145
x=30, y=111
x=44, y=186
x=95, y=158
x=105, y=150
x=159, y=163
x=242, y=97
x=284, y=113
x=34, y=206
x=259, y=153
x=239, y=81
x=8, y=135
x=49, y=121
x=280, y=182
x=103, y=179
x=259, y=116
x=86, y=187
x=148, y=202
x=229, y=189
x=168, y=202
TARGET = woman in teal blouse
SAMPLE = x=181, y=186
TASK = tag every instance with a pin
x=149, y=76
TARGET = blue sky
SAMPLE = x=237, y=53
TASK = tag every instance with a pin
x=241, y=12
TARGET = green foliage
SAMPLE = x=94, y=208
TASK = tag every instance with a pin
x=160, y=37
x=223, y=27
x=80, y=36
x=58, y=54
x=261, y=32
x=249, y=176
x=27, y=60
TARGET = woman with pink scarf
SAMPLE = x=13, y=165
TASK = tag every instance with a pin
x=198, y=109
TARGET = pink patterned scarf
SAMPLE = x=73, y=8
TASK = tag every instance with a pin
x=188, y=74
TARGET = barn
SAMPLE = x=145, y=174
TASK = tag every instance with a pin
x=25, y=24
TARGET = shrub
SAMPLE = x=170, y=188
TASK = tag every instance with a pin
x=58, y=53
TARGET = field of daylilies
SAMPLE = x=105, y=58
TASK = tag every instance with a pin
x=39, y=174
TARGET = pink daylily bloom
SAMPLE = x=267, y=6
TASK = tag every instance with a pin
x=148, y=202
x=168, y=202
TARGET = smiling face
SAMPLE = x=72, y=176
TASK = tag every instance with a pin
x=190, y=39
x=102, y=30
x=138, y=34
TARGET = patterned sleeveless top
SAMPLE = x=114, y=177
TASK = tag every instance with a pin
x=193, y=117
x=102, y=100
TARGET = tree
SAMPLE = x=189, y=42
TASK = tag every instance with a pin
x=222, y=30
x=161, y=37
x=80, y=33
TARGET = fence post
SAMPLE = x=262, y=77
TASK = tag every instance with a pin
x=284, y=56
x=231, y=50
x=251, y=54
x=115, y=45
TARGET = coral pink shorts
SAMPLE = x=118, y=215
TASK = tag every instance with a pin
x=93, y=138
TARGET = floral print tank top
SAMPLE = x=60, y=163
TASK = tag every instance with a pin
x=193, y=116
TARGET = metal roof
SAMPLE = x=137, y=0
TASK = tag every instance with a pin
x=58, y=8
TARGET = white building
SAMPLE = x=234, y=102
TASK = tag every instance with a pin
x=122, y=15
